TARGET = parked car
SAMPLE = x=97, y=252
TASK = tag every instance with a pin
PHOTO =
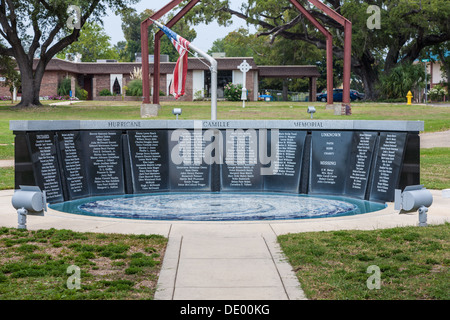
x=266, y=97
x=337, y=96
x=360, y=95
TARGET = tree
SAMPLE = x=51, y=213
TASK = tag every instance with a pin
x=120, y=48
x=92, y=44
x=276, y=51
x=54, y=25
x=407, y=27
x=131, y=26
x=8, y=70
x=442, y=53
x=236, y=44
x=401, y=79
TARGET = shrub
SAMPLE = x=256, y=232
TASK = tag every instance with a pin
x=400, y=80
x=64, y=87
x=134, y=88
x=437, y=92
x=64, y=90
x=233, y=92
x=105, y=93
x=81, y=94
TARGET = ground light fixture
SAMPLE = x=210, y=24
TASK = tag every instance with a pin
x=414, y=198
x=176, y=111
x=29, y=200
x=311, y=110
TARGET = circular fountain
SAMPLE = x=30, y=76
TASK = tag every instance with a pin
x=217, y=206
x=201, y=170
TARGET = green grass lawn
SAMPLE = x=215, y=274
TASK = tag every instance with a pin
x=6, y=178
x=413, y=263
x=434, y=166
x=34, y=265
x=435, y=118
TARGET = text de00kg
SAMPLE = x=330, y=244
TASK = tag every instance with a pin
x=246, y=309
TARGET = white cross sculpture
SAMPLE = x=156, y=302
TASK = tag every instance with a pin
x=244, y=67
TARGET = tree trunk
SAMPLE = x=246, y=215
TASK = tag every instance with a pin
x=370, y=80
x=31, y=84
x=285, y=90
x=363, y=67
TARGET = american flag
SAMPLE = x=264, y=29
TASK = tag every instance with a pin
x=177, y=87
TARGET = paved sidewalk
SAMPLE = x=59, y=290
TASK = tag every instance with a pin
x=225, y=260
x=6, y=163
x=435, y=139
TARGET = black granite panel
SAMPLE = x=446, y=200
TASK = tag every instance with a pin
x=73, y=165
x=386, y=174
x=306, y=162
x=23, y=167
x=329, y=161
x=103, y=154
x=286, y=173
x=411, y=162
x=359, y=163
x=45, y=164
x=241, y=169
x=187, y=168
x=148, y=151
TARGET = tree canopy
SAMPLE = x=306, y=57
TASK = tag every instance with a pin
x=93, y=44
x=131, y=27
x=42, y=28
x=408, y=29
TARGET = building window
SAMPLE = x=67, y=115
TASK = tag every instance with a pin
x=116, y=83
x=223, y=78
x=116, y=87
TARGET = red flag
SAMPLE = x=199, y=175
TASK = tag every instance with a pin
x=177, y=87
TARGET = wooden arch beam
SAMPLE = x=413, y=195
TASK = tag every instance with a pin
x=158, y=35
x=327, y=10
x=144, y=47
x=347, y=44
x=329, y=49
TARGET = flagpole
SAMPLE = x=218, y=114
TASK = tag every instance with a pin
x=213, y=69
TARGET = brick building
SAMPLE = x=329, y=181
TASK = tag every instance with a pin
x=97, y=76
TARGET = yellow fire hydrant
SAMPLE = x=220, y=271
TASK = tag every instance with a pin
x=409, y=97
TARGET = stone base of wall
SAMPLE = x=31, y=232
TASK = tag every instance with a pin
x=149, y=110
x=340, y=109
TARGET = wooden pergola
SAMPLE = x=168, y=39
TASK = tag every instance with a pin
x=329, y=46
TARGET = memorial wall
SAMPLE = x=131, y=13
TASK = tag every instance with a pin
x=75, y=159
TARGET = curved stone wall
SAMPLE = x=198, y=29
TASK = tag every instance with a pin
x=75, y=159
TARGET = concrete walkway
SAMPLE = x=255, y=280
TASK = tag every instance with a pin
x=6, y=163
x=225, y=260
x=439, y=139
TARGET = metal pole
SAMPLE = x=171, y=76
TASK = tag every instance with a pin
x=214, y=91
x=213, y=69
x=426, y=84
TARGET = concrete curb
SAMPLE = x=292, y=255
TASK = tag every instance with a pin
x=225, y=260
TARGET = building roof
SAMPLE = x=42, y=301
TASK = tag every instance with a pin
x=194, y=63
x=288, y=71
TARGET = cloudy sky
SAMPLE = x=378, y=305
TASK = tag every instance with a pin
x=206, y=34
